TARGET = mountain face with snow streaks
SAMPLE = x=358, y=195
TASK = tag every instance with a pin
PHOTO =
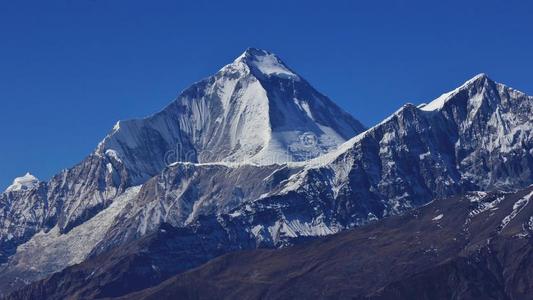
x=68, y=199
x=450, y=248
x=253, y=111
x=254, y=157
x=412, y=157
x=404, y=162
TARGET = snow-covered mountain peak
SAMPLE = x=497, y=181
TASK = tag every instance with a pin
x=264, y=63
x=23, y=183
x=480, y=76
x=254, y=52
x=406, y=111
x=477, y=81
x=254, y=110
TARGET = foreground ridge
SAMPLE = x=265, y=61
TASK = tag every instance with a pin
x=451, y=248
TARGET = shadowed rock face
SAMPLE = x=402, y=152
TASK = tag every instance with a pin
x=454, y=248
x=477, y=245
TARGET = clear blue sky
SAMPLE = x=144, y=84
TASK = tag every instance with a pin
x=70, y=69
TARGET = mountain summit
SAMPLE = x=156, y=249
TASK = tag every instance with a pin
x=254, y=110
x=26, y=182
x=262, y=62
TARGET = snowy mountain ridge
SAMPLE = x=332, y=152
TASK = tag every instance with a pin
x=265, y=63
x=403, y=162
x=439, y=102
x=23, y=183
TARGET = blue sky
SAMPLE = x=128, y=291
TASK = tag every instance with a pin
x=70, y=69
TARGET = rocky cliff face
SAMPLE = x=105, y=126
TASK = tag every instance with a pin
x=67, y=200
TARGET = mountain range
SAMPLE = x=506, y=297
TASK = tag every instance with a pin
x=253, y=157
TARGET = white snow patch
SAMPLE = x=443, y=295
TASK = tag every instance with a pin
x=438, y=217
x=438, y=103
x=109, y=167
x=113, y=154
x=256, y=230
x=235, y=214
x=517, y=208
x=476, y=196
x=483, y=206
x=424, y=155
x=23, y=183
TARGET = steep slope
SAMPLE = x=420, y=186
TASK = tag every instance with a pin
x=409, y=159
x=48, y=252
x=68, y=199
x=253, y=110
x=480, y=139
x=471, y=247
x=26, y=182
x=492, y=124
